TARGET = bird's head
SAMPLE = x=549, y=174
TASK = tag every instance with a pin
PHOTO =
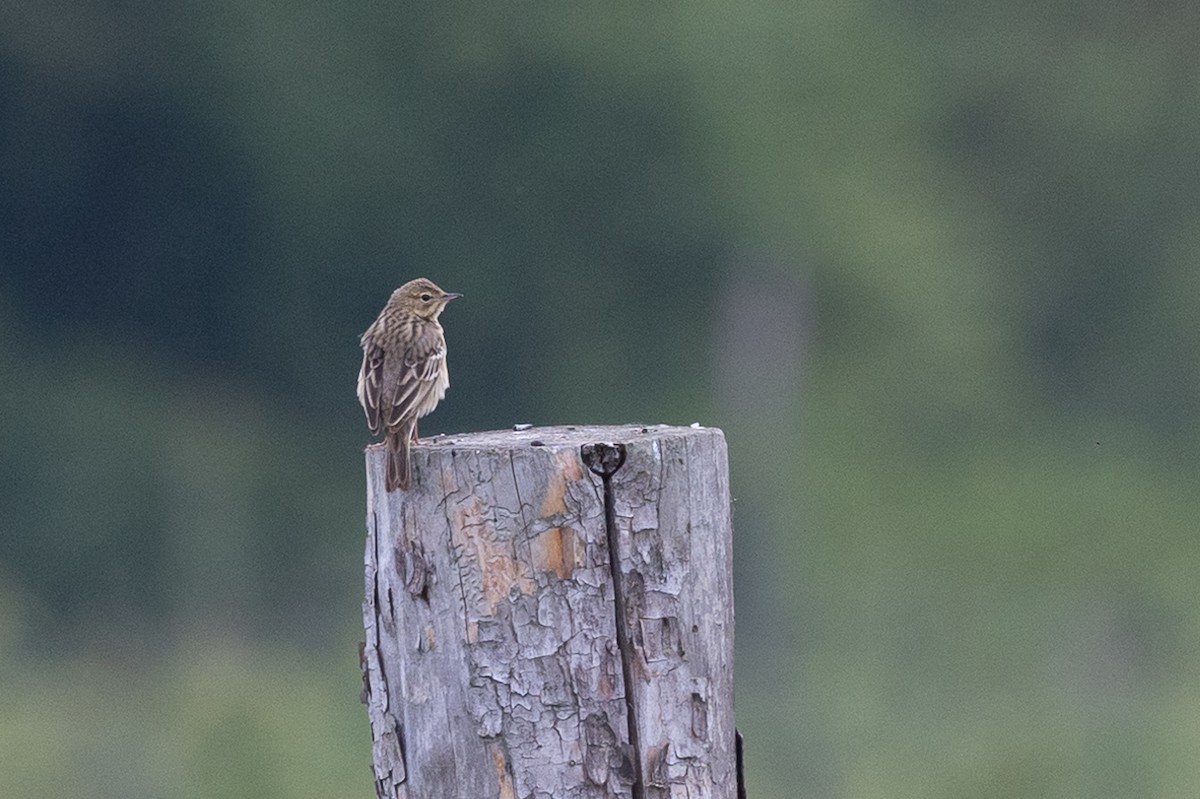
x=423, y=298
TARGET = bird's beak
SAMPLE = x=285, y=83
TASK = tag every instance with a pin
x=451, y=295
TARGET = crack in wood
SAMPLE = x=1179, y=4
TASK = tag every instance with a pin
x=604, y=460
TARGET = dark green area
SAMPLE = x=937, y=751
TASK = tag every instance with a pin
x=932, y=267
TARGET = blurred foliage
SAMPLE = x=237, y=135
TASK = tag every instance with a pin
x=211, y=722
x=931, y=267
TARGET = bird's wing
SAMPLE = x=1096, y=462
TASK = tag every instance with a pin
x=370, y=381
x=418, y=376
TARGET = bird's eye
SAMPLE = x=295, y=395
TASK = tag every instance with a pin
x=425, y=297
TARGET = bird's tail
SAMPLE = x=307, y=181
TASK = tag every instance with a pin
x=399, y=462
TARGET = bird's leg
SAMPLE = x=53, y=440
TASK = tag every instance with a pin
x=416, y=439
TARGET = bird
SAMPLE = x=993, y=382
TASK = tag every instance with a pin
x=404, y=375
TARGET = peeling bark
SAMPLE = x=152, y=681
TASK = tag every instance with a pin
x=508, y=656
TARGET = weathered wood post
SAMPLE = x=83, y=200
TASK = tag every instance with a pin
x=549, y=615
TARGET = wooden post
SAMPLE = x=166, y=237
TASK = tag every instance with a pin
x=549, y=615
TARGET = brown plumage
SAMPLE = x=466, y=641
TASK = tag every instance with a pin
x=403, y=375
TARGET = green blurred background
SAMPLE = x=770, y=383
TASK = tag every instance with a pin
x=931, y=266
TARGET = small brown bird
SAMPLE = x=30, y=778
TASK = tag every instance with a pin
x=404, y=375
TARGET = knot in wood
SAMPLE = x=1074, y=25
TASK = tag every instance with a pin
x=603, y=459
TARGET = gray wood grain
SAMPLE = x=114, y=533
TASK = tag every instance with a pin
x=492, y=658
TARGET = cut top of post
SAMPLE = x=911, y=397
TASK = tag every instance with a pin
x=558, y=437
